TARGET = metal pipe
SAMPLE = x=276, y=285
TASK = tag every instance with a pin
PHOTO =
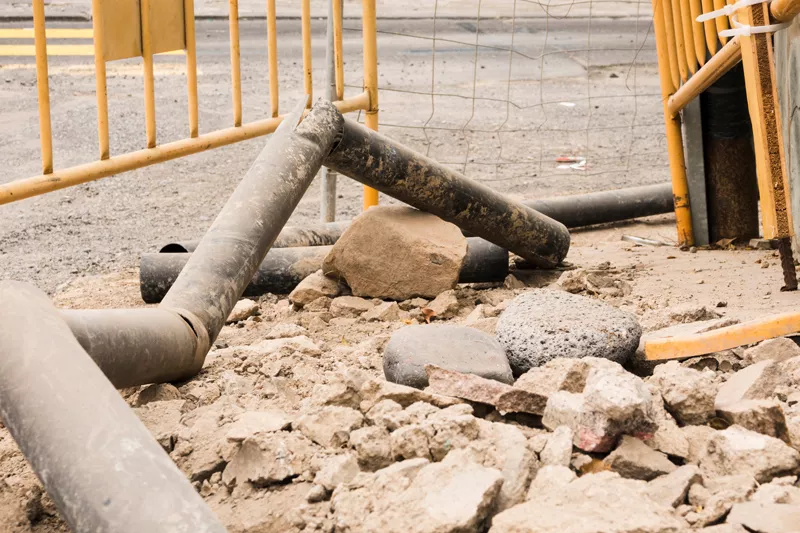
x=97, y=461
x=308, y=81
x=168, y=346
x=191, y=66
x=784, y=10
x=289, y=237
x=283, y=268
x=229, y=254
x=574, y=211
x=688, y=36
x=714, y=69
x=101, y=88
x=43, y=86
x=149, y=80
x=695, y=8
x=327, y=197
x=372, y=159
x=236, y=71
x=370, y=38
x=680, y=47
x=606, y=206
x=680, y=185
x=710, y=28
x=272, y=56
x=338, y=52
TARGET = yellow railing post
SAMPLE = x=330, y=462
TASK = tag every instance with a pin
x=191, y=66
x=43, y=87
x=100, y=77
x=149, y=82
x=236, y=72
x=370, y=35
x=680, y=186
x=308, y=80
x=272, y=52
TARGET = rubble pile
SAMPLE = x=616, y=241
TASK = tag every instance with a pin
x=331, y=411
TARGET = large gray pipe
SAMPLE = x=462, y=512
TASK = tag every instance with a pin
x=229, y=254
x=99, y=464
x=388, y=166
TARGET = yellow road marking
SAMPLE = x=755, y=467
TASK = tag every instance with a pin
x=54, y=33
x=58, y=50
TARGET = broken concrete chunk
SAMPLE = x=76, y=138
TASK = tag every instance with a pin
x=505, y=448
x=243, y=310
x=373, y=447
x=349, y=306
x=269, y=458
x=563, y=409
x=740, y=451
x=558, y=450
x=444, y=306
x=543, y=324
x=458, y=348
x=251, y=423
x=634, y=459
x=713, y=501
x=671, y=489
x=410, y=442
x=697, y=437
x=779, y=490
x=456, y=495
x=466, y=386
x=158, y=392
x=337, y=470
x=432, y=252
x=375, y=390
x=756, y=382
x=592, y=503
x=315, y=286
x=162, y=419
x=549, y=476
x=385, y=312
x=286, y=330
x=330, y=426
x=688, y=394
x=778, y=349
x=766, y=517
x=762, y=416
x=614, y=403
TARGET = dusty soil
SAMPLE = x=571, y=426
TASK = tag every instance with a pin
x=734, y=283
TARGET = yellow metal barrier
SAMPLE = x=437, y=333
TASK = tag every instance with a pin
x=141, y=28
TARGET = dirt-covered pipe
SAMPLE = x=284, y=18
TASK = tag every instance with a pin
x=284, y=268
x=578, y=210
x=138, y=346
x=394, y=169
x=97, y=461
x=230, y=253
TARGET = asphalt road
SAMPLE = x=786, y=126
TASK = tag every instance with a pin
x=501, y=117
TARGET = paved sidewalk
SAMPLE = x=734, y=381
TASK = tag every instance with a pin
x=389, y=9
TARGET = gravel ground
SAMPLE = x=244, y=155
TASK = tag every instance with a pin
x=104, y=226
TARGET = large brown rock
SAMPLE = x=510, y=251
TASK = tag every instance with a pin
x=397, y=253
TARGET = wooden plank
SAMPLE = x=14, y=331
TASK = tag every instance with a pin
x=762, y=97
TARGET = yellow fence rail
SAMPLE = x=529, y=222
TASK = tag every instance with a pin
x=141, y=28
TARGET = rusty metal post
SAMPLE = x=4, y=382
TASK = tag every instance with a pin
x=386, y=165
x=730, y=165
x=228, y=256
x=98, y=463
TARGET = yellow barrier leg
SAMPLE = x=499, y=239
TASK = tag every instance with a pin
x=370, y=81
x=680, y=187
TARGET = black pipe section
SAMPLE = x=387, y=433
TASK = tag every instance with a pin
x=573, y=211
x=97, y=461
x=388, y=166
x=602, y=207
x=324, y=234
x=168, y=346
x=230, y=253
x=284, y=268
x=730, y=161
